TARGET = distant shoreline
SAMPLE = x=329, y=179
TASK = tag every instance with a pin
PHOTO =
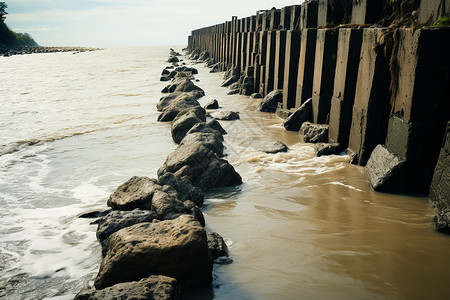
x=9, y=51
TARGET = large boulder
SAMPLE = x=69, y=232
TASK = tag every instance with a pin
x=187, y=69
x=211, y=140
x=231, y=76
x=385, y=170
x=270, y=102
x=327, y=149
x=155, y=287
x=183, y=186
x=173, y=59
x=212, y=126
x=314, y=133
x=225, y=115
x=301, y=115
x=441, y=221
x=176, y=248
x=117, y=220
x=201, y=165
x=185, y=120
x=203, y=56
x=181, y=84
x=216, y=245
x=178, y=96
x=137, y=192
x=177, y=105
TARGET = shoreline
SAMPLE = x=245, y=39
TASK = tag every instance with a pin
x=20, y=50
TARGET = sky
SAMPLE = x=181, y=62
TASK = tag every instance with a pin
x=112, y=23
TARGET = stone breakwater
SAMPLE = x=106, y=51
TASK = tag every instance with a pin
x=367, y=77
x=30, y=50
x=154, y=245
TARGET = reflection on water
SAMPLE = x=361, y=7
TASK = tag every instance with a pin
x=300, y=227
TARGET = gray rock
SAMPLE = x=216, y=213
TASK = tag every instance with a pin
x=137, y=192
x=176, y=248
x=184, y=121
x=385, y=170
x=164, y=78
x=255, y=96
x=178, y=96
x=216, y=245
x=175, y=106
x=204, y=55
x=270, y=102
x=201, y=165
x=441, y=221
x=165, y=72
x=225, y=115
x=181, y=84
x=213, y=104
x=273, y=147
x=213, y=123
x=195, y=54
x=211, y=140
x=183, y=186
x=327, y=149
x=233, y=92
x=173, y=59
x=117, y=220
x=303, y=114
x=155, y=287
x=314, y=133
x=213, y=126
x=187, y=69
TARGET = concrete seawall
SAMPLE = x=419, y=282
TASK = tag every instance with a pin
x=378, y=75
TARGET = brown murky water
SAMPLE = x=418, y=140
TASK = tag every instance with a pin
x=74, y=127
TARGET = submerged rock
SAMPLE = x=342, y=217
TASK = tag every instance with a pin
x=155, y=287
x=327, y=149
x=270, y=102
x=225, y=115
x=441, y=221
x=173, y=59
x=137, y=192
x=178, y=96
x=273, y=147
x=216, y=245
x=176, y=248
x=314, y=133
x=303, y=114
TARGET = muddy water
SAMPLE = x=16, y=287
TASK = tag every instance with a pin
x=74, y=127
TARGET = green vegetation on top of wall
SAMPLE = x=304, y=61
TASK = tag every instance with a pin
x=442, y=22
x=9, y=38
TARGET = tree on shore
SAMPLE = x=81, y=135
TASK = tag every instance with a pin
x=3, y=12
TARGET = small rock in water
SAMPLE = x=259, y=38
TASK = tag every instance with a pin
x=274, y=147
x=225, y=115
x=213, y=104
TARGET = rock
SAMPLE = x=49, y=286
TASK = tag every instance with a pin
x=441, y=221
x=303, y=114
x=187, y=69
x=255, y=96
x=173, y=59
x=182, y=84
x=270, y=102
x=327, y=149
x=155, y=287
x=195, y=54
x=178, y=96
x=204, y=55
x=137, y=192
x=385, y=170
x=213, y=104
x=164, y=78
x=314, y=133
x=231, y=75
x=225, y=115
x=165, y=72
x=229, y=81
x=95, y=214
x=201, y=165
x=117, y=220
x=211, y=140
x=283, y=113
x=184, y=121
x=233, y=92
x=183, y=186
x=216, y=245
x=216, y=68
x=212, y=126
x=274, y=147
x=177, y=105
x=247, y=87
x=176, y=248
x=440, y=186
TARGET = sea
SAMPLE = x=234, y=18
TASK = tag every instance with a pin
x=74, y=126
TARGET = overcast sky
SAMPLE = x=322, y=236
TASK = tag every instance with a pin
x=106, y=23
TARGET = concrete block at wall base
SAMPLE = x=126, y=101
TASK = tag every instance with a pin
x=385, y=170
x=439, y=195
